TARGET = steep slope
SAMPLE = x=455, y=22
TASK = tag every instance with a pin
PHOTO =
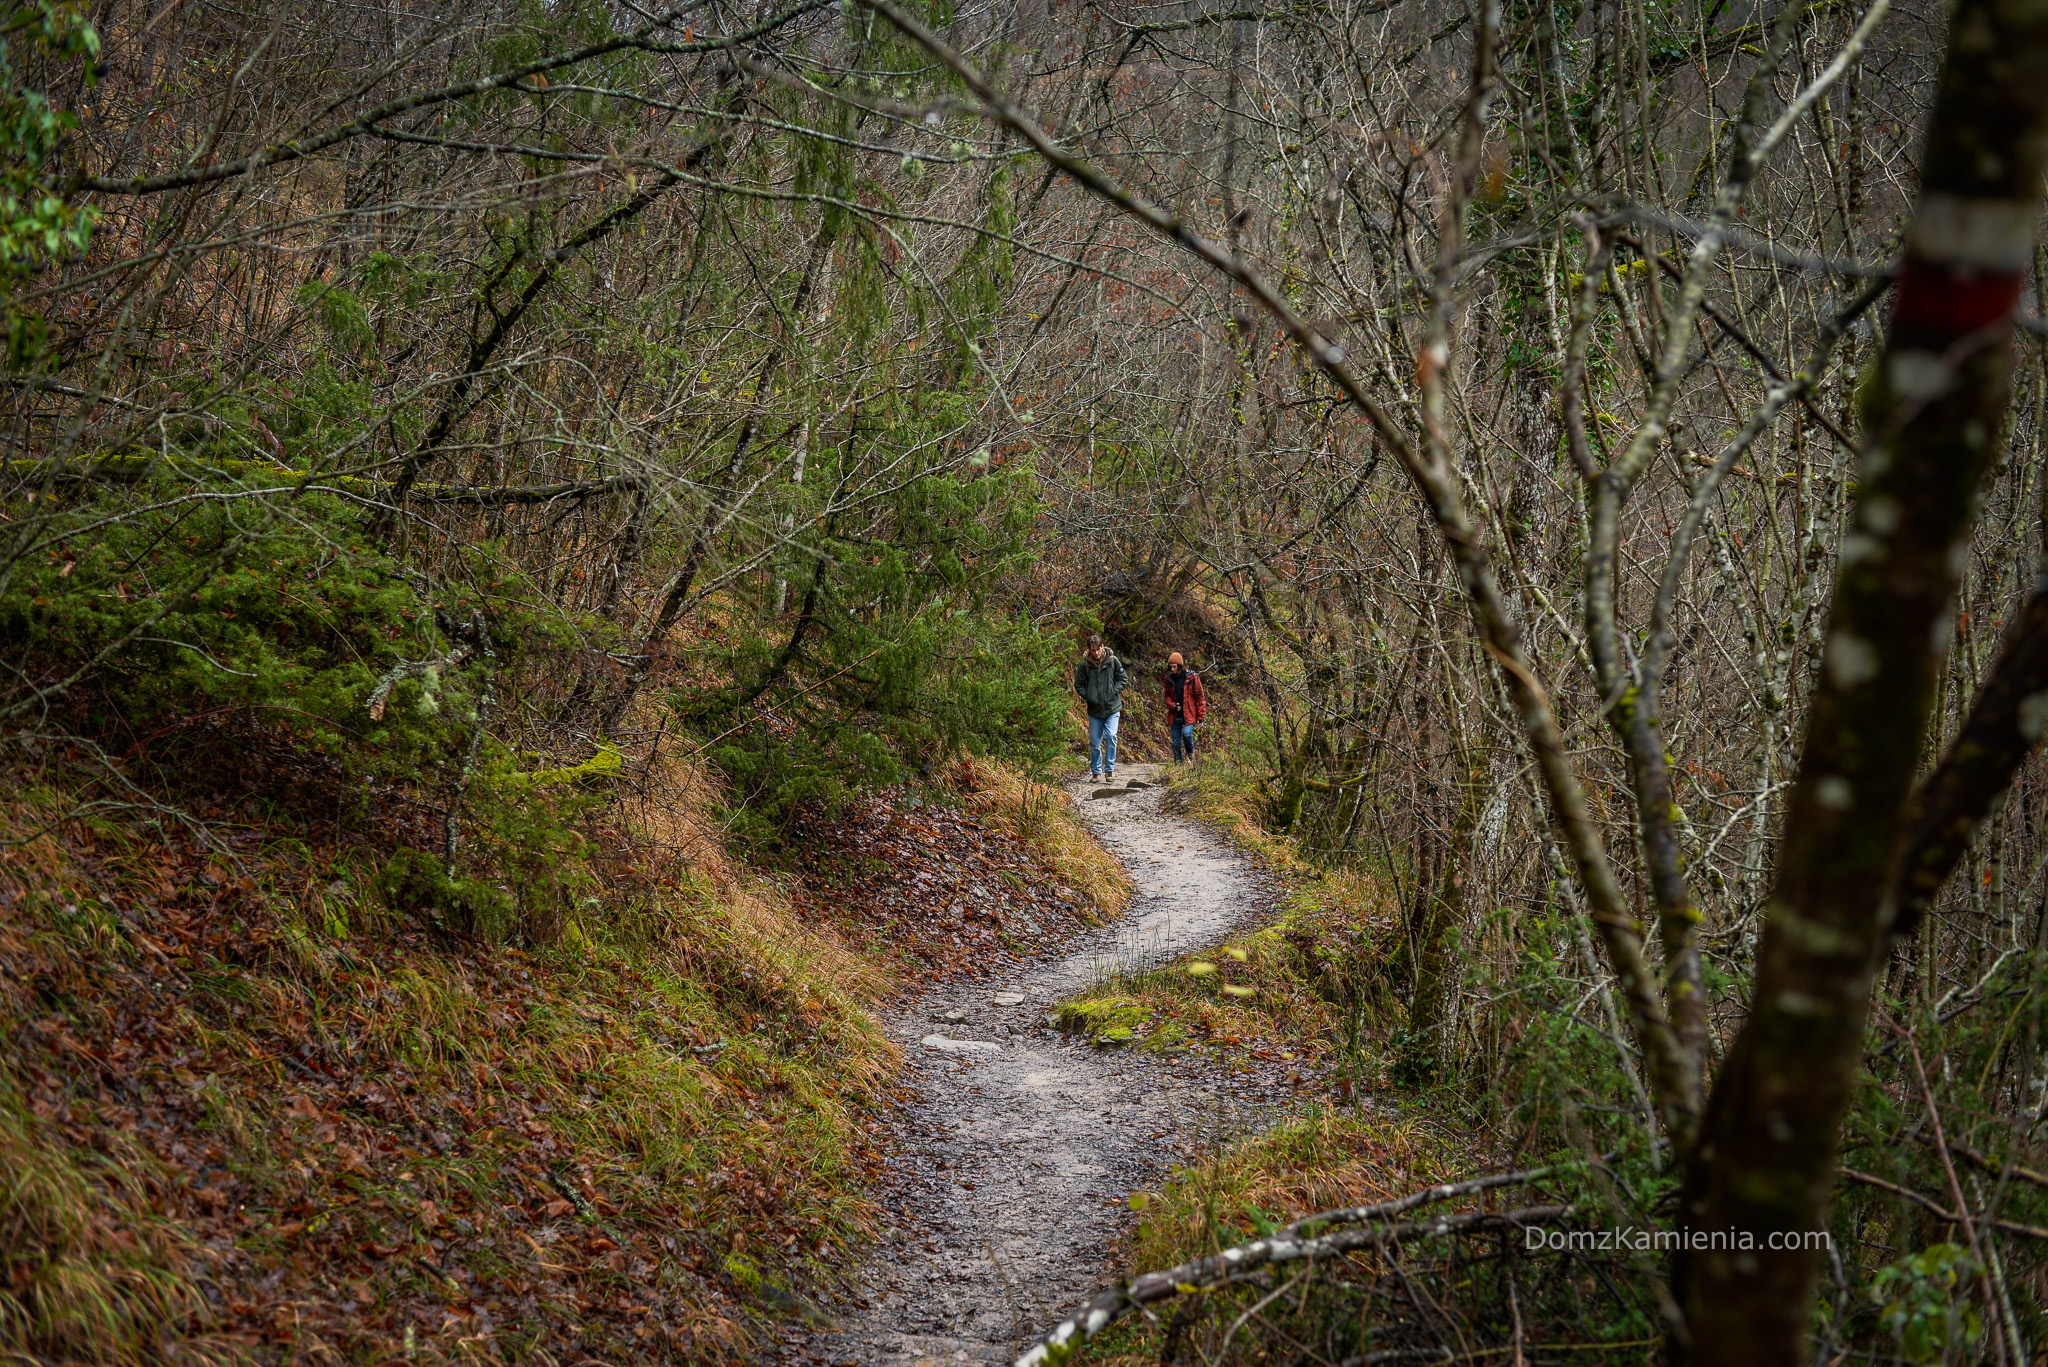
x=260, y=1103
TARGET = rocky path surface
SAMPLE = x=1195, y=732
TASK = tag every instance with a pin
x=1023, y=1144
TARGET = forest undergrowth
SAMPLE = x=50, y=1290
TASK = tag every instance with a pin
x=1535, y=1084
x=261, y=1103
x=1596, y=454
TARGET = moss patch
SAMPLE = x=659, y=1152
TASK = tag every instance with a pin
x=1112, y=1022
x=1291, y=991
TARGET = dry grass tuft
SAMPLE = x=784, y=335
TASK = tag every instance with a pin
x=670, y=805
x=1219, y=794
x=670, y=817
x=1041, y=816
x=1319, y=1161
x=86, y=1273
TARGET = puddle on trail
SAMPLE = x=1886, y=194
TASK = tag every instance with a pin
x=1017, y=1163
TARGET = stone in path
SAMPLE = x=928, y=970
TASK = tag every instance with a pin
x=959, y=1046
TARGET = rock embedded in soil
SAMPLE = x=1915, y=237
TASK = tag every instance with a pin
x=960, y=1046
x=1008, y=999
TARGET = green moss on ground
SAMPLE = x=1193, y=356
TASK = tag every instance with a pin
x=1110, y=1022
x=1302, y=990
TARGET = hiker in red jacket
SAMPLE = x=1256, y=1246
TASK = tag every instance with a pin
x=1186, y=706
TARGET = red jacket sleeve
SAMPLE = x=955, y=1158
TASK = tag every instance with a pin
x=1198, y=700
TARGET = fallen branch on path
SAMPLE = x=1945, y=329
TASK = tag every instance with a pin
x=1354, y=1227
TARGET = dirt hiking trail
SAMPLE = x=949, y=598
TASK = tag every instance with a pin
x=1023, y=1143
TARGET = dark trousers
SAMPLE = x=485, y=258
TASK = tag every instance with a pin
x=1183, y=733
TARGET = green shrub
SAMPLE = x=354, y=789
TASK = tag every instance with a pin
x=132, y=610
x=892, y=661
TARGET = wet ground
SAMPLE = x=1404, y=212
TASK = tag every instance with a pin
x=1023, y=1145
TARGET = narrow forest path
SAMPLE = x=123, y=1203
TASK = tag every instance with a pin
x=1020, y=1154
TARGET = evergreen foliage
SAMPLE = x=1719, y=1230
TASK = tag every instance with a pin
x=42, y=43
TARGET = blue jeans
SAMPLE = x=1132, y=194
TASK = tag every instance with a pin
x=1183, y=739
x=1102, y=742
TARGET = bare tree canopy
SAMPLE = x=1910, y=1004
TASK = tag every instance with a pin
x=1598, y=445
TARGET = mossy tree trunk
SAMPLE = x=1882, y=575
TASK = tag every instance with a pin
x=1438, y=938
x=1765, y=1161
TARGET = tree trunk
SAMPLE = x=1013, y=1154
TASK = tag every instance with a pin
x=1439, y=939
x=1765, y=1163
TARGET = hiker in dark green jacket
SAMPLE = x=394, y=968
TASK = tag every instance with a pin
x=1100, y=680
